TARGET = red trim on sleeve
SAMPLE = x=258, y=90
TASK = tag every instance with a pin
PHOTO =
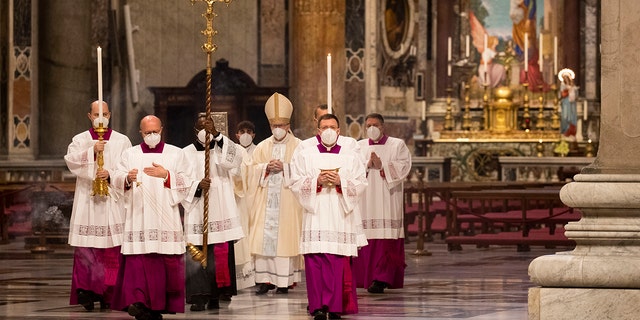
x=167, y=184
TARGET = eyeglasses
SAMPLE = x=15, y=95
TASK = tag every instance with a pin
x=279, y=125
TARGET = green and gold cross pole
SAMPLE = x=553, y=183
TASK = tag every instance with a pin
x=208, y=47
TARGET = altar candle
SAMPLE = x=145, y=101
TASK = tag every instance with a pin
x=449, y=56
x=585, y=110
x=99, y=56
x=424, y=110
x=526, y=52
x=329, y=83
x=555, y=55
x=466, y=48
x=540, y=54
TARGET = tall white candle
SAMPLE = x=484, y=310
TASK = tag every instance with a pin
x=526, y=52
x=449, y=56
x=555, y=55
x=541, y=53
x=424, y=110
x=466, y=48
x=99, y=56
x=585, y=110
x=329, y=83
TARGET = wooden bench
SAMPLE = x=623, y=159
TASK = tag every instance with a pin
x=539, y=207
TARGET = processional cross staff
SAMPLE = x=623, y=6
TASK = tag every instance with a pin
x=208, y=47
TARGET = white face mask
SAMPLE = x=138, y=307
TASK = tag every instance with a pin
x=105, y=122
x=329, y=137
x=152, y=140
x=202, y=134
x=278, y=133
x=245, y=139
x=373, y=133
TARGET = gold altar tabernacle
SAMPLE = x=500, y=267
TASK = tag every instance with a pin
x=504, y=119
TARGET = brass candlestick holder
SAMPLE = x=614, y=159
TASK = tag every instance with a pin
x=100, y=186
x=555, y=116
x=466, y=118
x=540, y=123
x=448, y=116
x=526, y=117
x=485, y=106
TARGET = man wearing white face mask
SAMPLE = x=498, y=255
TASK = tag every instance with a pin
x=245, y=133
x=328, y=180
x=381, y=263
x=216, y=282
x=155, y=178
x=275, y=215
x=96, y=225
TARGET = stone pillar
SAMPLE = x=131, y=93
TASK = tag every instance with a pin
x=22, y=120
x=69, y=32
x=317, y=28
x=599, y=278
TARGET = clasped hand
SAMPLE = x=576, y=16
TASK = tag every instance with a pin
x=329, y=178
x=274, y=166
x=374, y=162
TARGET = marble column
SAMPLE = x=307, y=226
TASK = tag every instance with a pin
x=599, y=278
x=70, y=31
x=317, y=29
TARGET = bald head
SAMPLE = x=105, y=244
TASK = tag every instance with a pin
x=150, y=124
x=94, y=110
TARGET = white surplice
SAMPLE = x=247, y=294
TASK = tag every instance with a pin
x=382, y=202
x=223, y=215
x=96, y=221
x=245, y=268
x=331, y=222
x=152, y=216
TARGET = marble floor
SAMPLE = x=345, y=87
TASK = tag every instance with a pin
x=475, y=283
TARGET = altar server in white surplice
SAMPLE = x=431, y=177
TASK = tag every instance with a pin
x=381, y=264
x=218, y=280
x=155, y=177
x=245, y=269
x=97, y=222
x=328, y=181
x=276, y=215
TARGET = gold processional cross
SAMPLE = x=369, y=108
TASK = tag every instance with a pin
x=208, y=47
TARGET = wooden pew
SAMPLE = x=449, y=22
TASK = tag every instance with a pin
x=531, y=215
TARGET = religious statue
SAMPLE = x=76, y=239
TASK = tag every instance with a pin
x=568, y=113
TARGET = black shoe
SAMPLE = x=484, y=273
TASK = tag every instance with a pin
x=197, y=307
x=156, y=315
x=377, y=287
x=141, y=312
x=282, y=290
x=333, y=315
x=225, y=297
x=214, y=304
x=264, y=288
x=85, y=298
x=321, y=314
